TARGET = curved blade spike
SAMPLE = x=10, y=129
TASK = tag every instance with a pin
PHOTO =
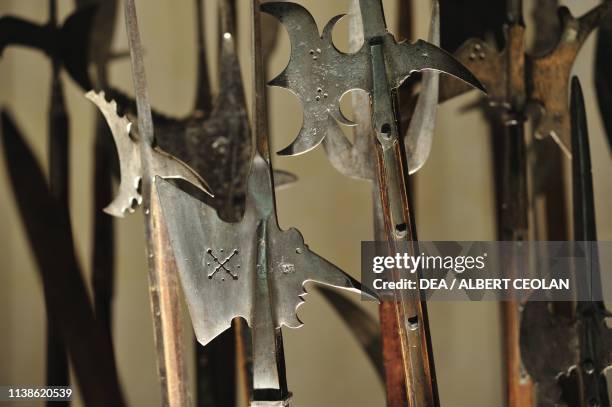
x=128, y=197
x=163, y=164
x=326, y=35
x=407, y=58
x=327, y=274
x=419, y=136
x=168, y=166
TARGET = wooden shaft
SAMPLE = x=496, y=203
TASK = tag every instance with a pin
x=407, y=352
x=166, y=310
x=163, y=280
x=514, y=212
x=513, y=226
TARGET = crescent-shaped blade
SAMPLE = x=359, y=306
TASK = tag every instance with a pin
x=406, y=58
x=128, y=197
x=168, y=166
x=163, y=164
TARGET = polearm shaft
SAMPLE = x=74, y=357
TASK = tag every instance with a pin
x=407, y=352
x=409, y=370
x=513, y=227
x=263, y=331
x=513, y=222
x=163, y=283
x=216, y=379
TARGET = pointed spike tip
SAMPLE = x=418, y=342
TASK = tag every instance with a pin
x=435, y=58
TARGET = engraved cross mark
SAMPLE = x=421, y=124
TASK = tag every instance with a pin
x=222, y=264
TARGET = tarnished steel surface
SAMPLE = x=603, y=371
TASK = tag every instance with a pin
x=320, y=75
x=355, y=159
x=250, y=268
x=164, y=165
x=221, y=264
x=227, y=252
x=546, y=77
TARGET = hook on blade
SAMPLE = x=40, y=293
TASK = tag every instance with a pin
x=128, y=149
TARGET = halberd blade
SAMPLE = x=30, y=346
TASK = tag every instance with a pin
x=353, y=159
x=319, y=74
x=163, y=164
x=219, y=262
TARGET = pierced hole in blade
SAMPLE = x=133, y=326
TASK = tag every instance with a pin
x=385, y=129
x=133, y=204
x=413, y=322
x=401, y=229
